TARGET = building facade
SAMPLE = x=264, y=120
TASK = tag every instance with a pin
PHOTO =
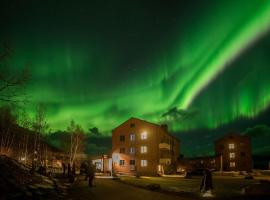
x=233, y=153
x=144, y=148
x=102, y=163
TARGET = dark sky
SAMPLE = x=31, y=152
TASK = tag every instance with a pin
x=191, y=64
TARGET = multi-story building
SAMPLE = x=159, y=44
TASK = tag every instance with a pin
x=233, y=153
x=141, y=147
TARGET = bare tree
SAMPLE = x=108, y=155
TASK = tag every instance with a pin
x=40, y=127
x=77, y=141
x=25, y=122
x=7, y=122
x=12, y=84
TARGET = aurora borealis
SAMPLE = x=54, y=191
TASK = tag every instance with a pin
x=101, y=62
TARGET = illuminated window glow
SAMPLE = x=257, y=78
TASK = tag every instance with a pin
x=132, y=150
x=231, y=146
x=132, y=137
x=232, y=155
x=144, y=135
x=143, y=163
x=143, y=149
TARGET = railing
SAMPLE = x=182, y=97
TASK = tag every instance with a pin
x=164, y=146
x=164, y=161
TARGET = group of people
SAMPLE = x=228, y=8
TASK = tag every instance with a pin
x=86, y=168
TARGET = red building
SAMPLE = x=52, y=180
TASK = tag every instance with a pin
x=233, y=153
x=141, y=147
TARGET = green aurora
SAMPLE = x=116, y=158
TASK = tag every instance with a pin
x=101, y=63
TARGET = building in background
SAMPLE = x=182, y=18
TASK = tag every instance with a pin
x=144, y=148
x=102, y=163
x=233, y=153
x=196, y=164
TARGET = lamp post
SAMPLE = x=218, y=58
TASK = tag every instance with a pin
x=221, y=163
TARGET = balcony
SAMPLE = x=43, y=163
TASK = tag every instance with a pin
x=164, y=161
x=164, y=146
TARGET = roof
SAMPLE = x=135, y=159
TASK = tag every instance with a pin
x=157, y=125
x=231, y=133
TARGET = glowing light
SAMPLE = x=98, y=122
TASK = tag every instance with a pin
x=204, y=62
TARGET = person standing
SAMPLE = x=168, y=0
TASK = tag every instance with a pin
x=207, y=183
x=91, y=174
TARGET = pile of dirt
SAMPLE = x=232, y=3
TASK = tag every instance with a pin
x=16, y=182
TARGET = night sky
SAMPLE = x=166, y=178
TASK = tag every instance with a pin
x=195, y=65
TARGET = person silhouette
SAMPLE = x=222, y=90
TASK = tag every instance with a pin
x=206, y=186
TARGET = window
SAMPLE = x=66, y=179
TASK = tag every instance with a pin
x=143, y=149
x=232, y=164
x=232, y=155
x=122, y=162
x=143, y=163
x=132, y=136
x=132, y=125
x=231, y=146
x=122, y=138
x=122, y=150
x=132, y=150
x=132, y=162
x=143, y=135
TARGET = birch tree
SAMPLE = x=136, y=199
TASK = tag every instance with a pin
x=7, y=122
x=24, y=122
x=77, y=140
x=40, y=127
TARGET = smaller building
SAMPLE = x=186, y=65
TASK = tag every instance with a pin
x=233, y=153
x=103, y=163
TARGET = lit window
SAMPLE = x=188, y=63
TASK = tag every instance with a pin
x=143, y=149
x=231, y=146
x=121, y=162
x=232, y=164
x=143, y=163
x=143, y=135
x=232, y=155
x=132, y=136
x=132, y=150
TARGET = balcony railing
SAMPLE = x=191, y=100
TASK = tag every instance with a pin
x=164, y=146
x=164, y=161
